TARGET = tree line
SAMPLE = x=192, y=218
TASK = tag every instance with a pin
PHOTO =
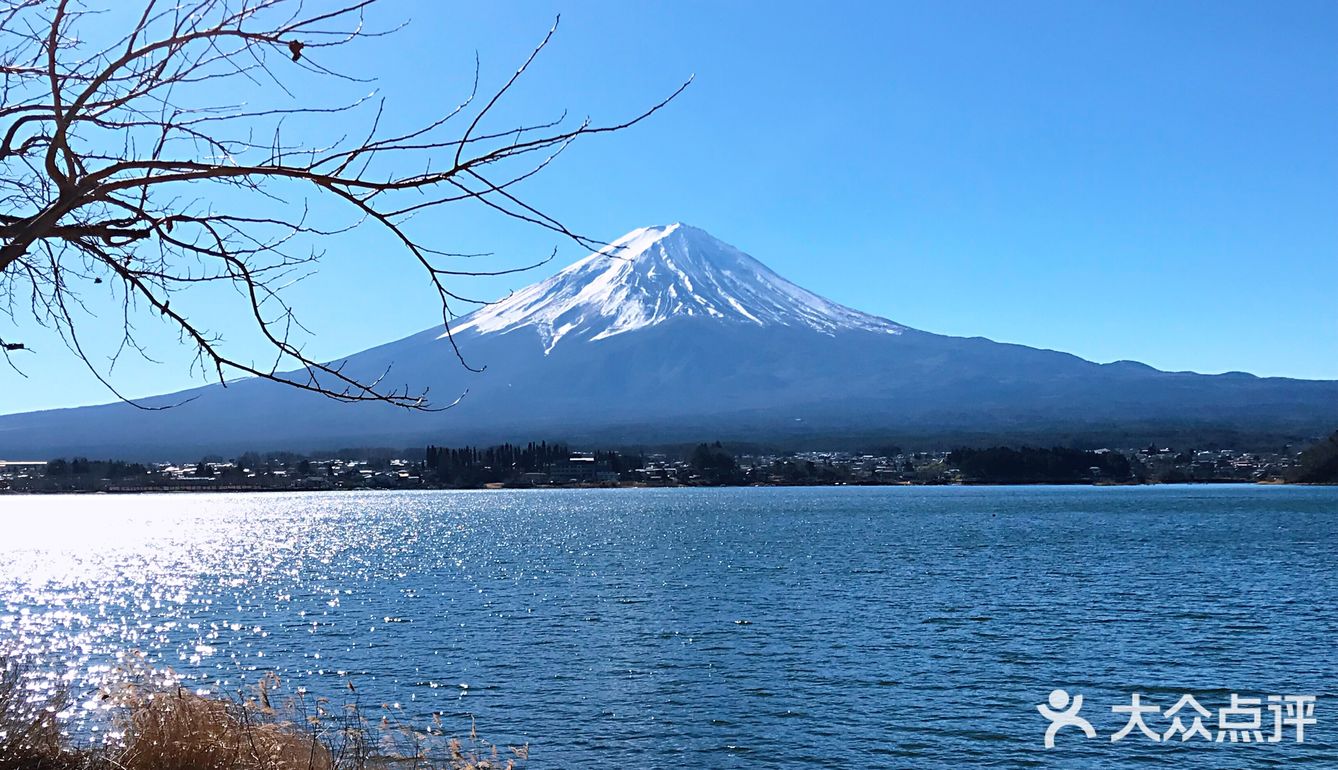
x=472, y=466
x=1032, y=465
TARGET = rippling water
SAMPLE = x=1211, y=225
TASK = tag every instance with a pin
x=892, y=627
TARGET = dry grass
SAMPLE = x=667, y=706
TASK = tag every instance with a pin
x=184, y=731
x=165, y=727
x=30, y=736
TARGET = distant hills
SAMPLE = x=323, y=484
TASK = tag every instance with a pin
x=671, y=335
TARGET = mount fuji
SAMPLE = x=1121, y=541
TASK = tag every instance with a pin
x=671, y=335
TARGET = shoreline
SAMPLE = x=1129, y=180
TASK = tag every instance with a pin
x=250, y=489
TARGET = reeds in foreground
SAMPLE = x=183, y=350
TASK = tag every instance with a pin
x=167, y=727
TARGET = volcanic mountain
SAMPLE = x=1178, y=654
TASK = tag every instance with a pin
x=671, y=335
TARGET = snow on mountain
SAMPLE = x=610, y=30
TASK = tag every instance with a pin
x=654, y=274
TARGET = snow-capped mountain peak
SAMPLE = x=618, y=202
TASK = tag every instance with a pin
x=655, y=274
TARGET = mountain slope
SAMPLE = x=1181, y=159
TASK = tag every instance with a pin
x=672, y=335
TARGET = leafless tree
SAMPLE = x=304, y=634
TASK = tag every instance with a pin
x=120, y=169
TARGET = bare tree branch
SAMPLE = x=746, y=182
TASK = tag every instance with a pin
x=113, y=176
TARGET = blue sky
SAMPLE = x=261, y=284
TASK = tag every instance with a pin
x=1147, y=181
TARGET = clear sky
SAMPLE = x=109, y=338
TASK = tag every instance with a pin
x=1147, y=181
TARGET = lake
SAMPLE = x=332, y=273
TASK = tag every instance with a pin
x=716, y=628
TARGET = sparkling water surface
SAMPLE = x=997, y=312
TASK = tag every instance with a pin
x=712, y=628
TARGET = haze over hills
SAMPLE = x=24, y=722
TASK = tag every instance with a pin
x=672, y=335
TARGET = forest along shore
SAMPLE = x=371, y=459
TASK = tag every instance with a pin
x=544, y=465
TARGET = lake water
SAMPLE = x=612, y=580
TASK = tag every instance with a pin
x=721, y=628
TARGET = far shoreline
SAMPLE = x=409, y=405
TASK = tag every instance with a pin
x=246, y=489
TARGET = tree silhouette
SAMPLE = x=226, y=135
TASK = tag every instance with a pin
x=121, y=169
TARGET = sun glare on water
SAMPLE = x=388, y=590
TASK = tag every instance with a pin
x=89, y=584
